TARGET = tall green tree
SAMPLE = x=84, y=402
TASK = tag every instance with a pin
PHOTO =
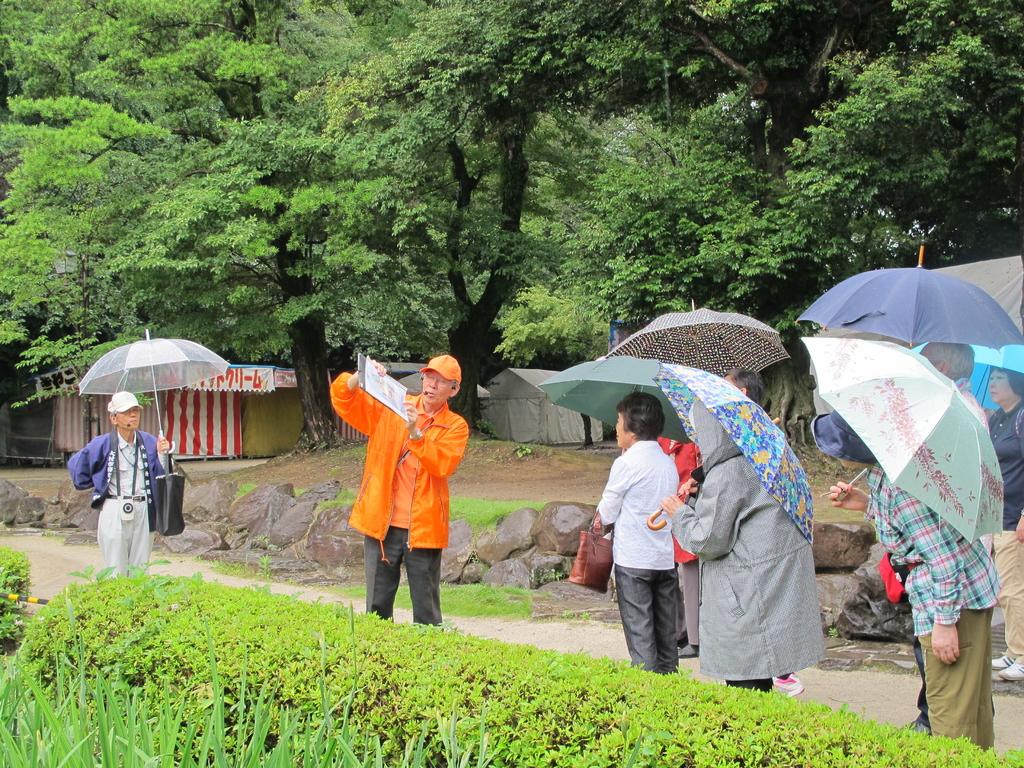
x=454, y=106
x=179, y=145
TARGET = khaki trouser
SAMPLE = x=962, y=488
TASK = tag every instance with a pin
x=124, y=544
x=1010, y=565
x=960, y=694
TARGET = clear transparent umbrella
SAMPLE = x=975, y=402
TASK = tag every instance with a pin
x=152, y=365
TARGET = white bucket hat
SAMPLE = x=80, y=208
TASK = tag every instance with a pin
x=121, y=402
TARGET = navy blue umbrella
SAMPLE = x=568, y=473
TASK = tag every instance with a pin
x=915, y=305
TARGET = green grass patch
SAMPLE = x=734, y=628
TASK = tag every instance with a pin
x=239, y=570
x=485, y=513
x=244, y=488
x=345, y=496
x=465, y=600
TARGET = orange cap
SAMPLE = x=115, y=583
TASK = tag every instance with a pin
x=445, y=366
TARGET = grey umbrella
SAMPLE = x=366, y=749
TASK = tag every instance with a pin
x=705, y=339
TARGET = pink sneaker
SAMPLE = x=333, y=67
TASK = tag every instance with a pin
x=791, y=685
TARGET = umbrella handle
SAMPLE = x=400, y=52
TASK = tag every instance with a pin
x=654, y=523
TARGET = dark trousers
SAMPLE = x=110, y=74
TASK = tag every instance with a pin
x=647, y=604
x=383, y=573
x=922, y=696
x=757, y=684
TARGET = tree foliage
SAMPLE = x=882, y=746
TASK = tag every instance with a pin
x=283, y=178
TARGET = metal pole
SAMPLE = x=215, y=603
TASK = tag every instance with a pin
x=156, y=397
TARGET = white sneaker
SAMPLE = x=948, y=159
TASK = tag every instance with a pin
x=1002, y=662
x=791, y=685
x=1014, y=672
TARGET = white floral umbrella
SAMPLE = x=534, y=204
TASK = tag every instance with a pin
x=922, y=431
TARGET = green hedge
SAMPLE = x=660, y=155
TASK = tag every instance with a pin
x=14, y=578
x=541, y=708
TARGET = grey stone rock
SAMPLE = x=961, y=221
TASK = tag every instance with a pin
x=76, y=505
x=280, y=567
x=293, y=523
x=513, y=534
x=460, y=548
x=54, y=516
x=563, y=599
x=209, y=501
x=558, y=526
x=834, y=589
x=81, y=536
x=85, y=519
x=474, y=572
x=867, y=614
x=235, y=538
x=324, y=492
x=569, y=592
x=841, y=546
x=194, y=540
x=546, y=567
x=508, y=573
x=11, y=497
x=331, y=542
x=30, y=510
x=261, y=508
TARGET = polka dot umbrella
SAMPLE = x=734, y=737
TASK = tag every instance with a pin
x=711, y=341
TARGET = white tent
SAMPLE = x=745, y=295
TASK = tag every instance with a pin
x=1000, y=278
x=522, y=412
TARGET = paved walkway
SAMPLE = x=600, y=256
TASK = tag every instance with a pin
x=883, y=694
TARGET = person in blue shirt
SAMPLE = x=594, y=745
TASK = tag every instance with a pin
x=121, y=467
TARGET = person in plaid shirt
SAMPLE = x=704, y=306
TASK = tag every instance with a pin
x=952, y=590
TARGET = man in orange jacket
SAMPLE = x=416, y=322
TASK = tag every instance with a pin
x=402, y=508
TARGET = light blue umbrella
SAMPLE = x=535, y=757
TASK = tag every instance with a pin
x=1010, y=357
x=759, y=439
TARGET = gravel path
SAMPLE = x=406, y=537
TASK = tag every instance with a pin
x=885, y=696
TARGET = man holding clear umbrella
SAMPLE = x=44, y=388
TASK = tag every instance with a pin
x=121, y=467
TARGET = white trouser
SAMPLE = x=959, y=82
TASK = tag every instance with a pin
x=124, y=543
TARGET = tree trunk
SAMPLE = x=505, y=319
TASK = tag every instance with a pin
x=473, y=340
x=309, y=356
x=789, y=394
x=792, y=111
x=588, y=437
x=309, y=351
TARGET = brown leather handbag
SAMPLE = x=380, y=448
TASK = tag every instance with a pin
x=593, y=564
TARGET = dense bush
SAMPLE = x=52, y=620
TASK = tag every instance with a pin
x=540, y=708
x=14, y=579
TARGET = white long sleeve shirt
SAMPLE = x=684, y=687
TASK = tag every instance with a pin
x=640, y=478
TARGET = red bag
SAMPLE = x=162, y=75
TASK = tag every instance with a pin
x=593, y=564
x=894, y=579
x=686, y=457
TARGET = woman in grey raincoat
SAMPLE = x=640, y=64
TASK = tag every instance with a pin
x=759, y=614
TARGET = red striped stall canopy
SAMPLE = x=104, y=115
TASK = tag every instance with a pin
x=250, y=410
x=206, y=419
x=205, y=423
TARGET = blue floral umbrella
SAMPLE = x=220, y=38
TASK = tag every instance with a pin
x=761, y=441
